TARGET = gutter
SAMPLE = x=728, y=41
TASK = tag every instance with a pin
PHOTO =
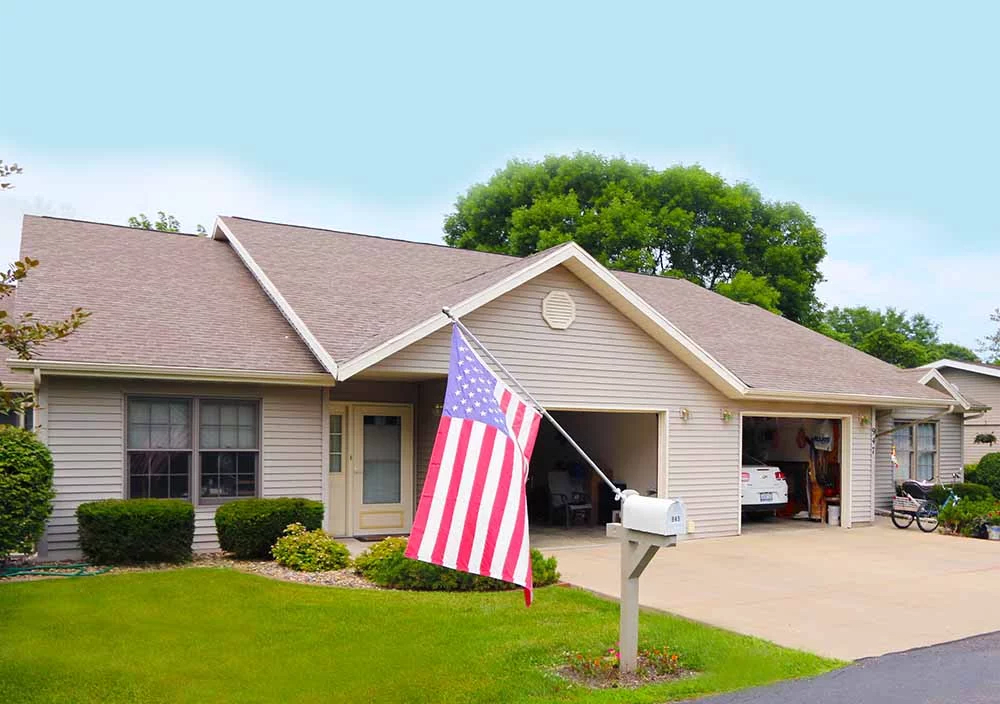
x=94, y=369
x=911, y=423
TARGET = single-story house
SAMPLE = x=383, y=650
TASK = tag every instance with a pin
x=981, y=382
x=276, y=360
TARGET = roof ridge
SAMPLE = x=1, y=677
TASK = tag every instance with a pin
x=113, y=224
x=386, y=238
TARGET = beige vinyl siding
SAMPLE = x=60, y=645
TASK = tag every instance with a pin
x=604, y=361
x=949, y=459
x=984, y=389
x=84, y=425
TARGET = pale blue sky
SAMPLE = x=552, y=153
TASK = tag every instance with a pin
x=879, y=118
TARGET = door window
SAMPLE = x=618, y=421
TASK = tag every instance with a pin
x=383, y=445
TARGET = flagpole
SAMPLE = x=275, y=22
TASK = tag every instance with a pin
x=534, y=402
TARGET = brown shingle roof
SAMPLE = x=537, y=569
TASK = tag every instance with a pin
x=355, y=291
x=9, y=377
x=156, y=299
x=767, y=351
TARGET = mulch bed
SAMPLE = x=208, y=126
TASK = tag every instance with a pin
x=265, y=568
x=616, y=681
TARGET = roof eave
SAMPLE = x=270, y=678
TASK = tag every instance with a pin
x=164, y=373
x=963, y=366
x=847, y=398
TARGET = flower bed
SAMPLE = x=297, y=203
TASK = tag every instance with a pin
x=604, y=671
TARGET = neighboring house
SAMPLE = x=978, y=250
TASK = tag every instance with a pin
x=274, y=360
x=980, y=382
x=928, y=442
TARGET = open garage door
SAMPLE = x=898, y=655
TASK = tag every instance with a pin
x=792, y=468
x=564, y=491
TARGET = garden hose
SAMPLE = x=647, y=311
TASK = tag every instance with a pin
x=79, y=569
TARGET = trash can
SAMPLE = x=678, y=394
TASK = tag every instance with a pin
x=993, y=533
x=833, y=514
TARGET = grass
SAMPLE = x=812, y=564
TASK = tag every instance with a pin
x=216, y=635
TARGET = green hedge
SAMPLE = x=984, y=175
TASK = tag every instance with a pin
x=968, y=490
x=25, y=490
x=970, y=518
x=310, y=550
x=386, y=565
x=988, y=472
x=125, y=531
x=248, y=528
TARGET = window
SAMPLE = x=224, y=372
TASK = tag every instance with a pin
x=228, y=446
x=336, y=442
x=159, y=448
x=916, y=451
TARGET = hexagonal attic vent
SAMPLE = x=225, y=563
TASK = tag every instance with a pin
x=558, y=310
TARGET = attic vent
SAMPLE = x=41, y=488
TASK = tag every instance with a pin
x=558, y=310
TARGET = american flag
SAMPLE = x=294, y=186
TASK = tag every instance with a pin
x=473, y=515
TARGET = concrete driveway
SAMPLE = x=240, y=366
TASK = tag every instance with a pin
x=847, y=594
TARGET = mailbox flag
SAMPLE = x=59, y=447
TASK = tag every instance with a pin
x=473, y=515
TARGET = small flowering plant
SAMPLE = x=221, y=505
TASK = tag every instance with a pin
x=653, y=663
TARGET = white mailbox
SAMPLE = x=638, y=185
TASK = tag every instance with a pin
x=652, y=515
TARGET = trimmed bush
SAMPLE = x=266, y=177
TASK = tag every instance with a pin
x=970, y=518
x=988, y=472
x=967, y=491
x=310, y=550
x=126, y=531
x=25, y=490
x=386, y=565
x=970, y=474
x=248, y=528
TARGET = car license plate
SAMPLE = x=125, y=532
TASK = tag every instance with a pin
x=766, y=496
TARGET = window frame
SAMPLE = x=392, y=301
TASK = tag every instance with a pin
x=194, y=403
x=914, y=452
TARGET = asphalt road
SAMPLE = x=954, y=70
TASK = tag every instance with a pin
x=964, y=671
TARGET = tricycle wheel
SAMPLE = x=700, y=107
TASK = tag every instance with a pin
x=927, y=517
x=901, y=520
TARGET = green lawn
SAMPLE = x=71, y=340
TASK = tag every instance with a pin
x=216, y=635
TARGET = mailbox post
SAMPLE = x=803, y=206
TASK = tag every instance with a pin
x=648, y=524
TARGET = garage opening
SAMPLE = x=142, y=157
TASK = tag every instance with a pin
x=563, y=491
x=791, y=468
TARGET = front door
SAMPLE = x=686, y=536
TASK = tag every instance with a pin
x=382, y=468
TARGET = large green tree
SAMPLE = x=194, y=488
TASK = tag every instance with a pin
x=892, y=335
x=679, y=221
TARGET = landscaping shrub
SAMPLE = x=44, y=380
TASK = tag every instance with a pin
x=967, y=491
x=970, y=518
x=970, y=474
x=124, y=531
x=386, y=565
x=248, y=528
x=25, y=490
x=988, y=472
x=310, y=551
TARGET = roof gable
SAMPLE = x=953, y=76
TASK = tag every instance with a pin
x=982, y=368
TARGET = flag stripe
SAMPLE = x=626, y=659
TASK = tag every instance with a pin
x=485, y=517
x=427, y=494
x=496, y=514
x=461, y=506
x=433, y=524
x=476, y=497
x=448, y=509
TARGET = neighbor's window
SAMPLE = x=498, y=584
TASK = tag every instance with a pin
x=229, y=448
x=159, y=448
x=336, y=442
x=916, y=450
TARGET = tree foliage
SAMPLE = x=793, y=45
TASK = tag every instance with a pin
x=681, y=221
x=892, y=335
x=164, y=222
x=5, y=171
x=990, y=345
x=25, y=334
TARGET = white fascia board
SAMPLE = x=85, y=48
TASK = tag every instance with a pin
x=851, y=399
x=964, y=366
x=279, y=300
x=607, y=284
x=97, y=369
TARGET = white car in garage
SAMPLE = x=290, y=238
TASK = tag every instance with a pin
x=762, y=487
